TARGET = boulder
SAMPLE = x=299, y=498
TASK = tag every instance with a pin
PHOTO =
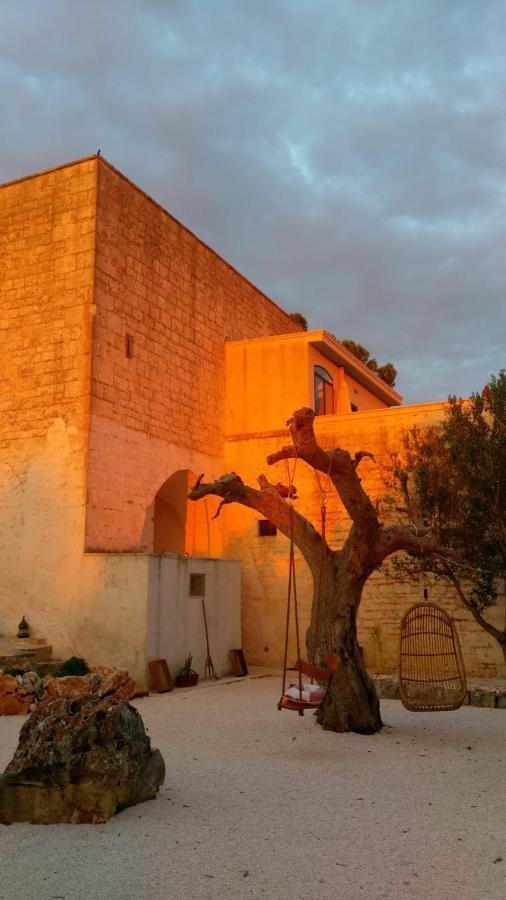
x=71, y=687
x=20, y=694
x=14, y=700
x=79, y=760
x=116, y=682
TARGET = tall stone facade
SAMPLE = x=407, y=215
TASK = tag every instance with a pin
x=134, y=358
x=113, y=322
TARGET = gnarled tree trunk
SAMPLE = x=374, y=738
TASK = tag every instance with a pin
x=351, y=703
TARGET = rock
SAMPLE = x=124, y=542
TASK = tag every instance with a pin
x=79, y=760
x=72, y=686
x=483, y=698
x=14, y=700
x=116, y=682
x=102, y=681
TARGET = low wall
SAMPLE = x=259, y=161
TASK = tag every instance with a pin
x=175, y=618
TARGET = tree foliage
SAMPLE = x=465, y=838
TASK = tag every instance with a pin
x=386, y=372
x=452, y=477
x=300, y=319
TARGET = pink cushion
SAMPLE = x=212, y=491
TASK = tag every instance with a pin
x=311, y=693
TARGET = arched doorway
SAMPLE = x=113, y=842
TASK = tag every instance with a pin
x=180, y=526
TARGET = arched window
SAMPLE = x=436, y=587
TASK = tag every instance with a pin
x=323, y=392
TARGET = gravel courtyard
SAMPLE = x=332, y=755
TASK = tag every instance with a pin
x=262, y=804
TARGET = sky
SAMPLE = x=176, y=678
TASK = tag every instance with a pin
x=347, y=156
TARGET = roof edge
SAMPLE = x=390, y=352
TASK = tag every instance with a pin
x=185, y=228
x=106, y=162
x=67, y=165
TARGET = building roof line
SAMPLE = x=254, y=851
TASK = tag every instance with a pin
x=193, y=235
x=102, y=159
x=67, y=165
x=331, y=348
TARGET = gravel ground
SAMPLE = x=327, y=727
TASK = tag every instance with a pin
x=262, y=804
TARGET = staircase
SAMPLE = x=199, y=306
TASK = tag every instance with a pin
x=27, y=654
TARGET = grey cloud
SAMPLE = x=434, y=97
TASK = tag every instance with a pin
x=347, y=157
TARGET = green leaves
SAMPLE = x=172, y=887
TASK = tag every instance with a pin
x=454, y=475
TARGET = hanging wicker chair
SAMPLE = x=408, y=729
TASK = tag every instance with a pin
x=431, y=674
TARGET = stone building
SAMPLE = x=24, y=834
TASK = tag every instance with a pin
x=134, y=358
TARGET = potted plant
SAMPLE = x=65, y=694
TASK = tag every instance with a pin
x=187, y=677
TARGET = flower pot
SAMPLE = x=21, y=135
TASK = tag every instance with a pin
x=185, y=681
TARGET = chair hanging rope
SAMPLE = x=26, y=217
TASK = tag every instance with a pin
x=431, y=672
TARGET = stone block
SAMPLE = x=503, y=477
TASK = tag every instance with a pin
x=483, y=698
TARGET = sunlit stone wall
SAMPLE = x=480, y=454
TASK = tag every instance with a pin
x=162, y=408
x=265, y=559
x=47, y=235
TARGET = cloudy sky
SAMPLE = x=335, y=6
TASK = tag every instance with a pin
x=348, y=156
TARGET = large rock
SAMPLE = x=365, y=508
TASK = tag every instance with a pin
x=106, y=680
x=70, y=687
x=14, y=700
x=77, y=761
x=20, y=694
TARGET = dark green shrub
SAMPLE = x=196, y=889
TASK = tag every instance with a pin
x=72, y=666
x=14, y=671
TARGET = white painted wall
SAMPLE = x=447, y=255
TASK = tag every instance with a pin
x=175, y=619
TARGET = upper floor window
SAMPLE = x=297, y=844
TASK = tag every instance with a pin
x=323, y=392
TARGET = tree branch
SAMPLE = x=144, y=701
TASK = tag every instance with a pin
x=337, y=464
x=271, y=505
x=499, y=636
x=417, y=539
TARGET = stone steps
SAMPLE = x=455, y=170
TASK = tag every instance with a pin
x=27, y=654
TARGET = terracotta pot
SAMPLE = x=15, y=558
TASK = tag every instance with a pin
x=187, y=680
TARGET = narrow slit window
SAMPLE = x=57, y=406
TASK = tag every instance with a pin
x=129, y=346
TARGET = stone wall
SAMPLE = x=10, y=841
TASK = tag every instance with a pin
x=47, y=233
x=265, y=559
x=178, y=302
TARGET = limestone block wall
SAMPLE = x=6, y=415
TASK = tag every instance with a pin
x=265, y=559
x=47, y=234
x=176, y=302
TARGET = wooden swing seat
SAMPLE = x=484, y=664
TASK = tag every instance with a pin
x=295, y=705
x=314, y=672
x=431, y=672
x=312, y=697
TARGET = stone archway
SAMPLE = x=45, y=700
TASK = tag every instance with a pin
x=180, y=526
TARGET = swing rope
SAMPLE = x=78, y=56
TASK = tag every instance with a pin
x=312, y=670
x=323, y=576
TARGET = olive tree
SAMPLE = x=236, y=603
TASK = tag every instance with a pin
x=351, y=702
x=452, y=478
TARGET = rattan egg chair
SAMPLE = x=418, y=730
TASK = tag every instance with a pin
x=431, y=672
